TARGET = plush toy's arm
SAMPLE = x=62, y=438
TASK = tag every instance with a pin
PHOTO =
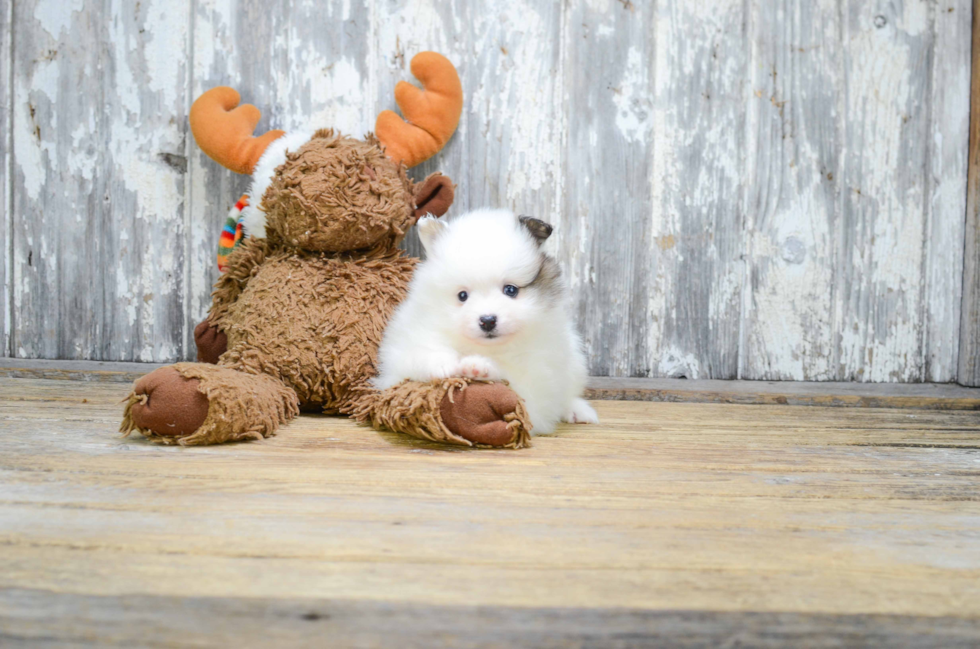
x=243, y=262
x=210, y=340
x=452, y=410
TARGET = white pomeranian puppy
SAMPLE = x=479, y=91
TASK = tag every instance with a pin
x=488, y=303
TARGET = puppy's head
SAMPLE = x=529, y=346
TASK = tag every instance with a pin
x=486, y=279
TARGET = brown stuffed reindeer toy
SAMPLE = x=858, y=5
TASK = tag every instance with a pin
x=298, y=315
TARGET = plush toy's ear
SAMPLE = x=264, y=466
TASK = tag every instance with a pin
x=538, y=228
x=434, y=195
x=430, y=228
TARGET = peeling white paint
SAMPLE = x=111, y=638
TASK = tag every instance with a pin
x=6, y=232
x=675, y=363
x=787, y=327
x=520, y=114
x=944, y=280
x=696, y=174
x=633, y=99
x=56, y=16
x=165, y=38
x=28, y=161
x=880, y=339
x=599, y=6
x=339, y=90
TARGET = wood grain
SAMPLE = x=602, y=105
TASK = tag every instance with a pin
x=926, y=396
x=6, y=155
x=103, y=371
x=604, y=234
x=59, y=193
x=792, y=204
x=969, y=352
x=697, y=231
x=664, y=508
x=32, y=617
x=99, y=123
x=946, y=166
x=882, y=295
x=829, y=298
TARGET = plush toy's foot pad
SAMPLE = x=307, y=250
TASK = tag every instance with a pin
x=196, y=403
x=482, y=414
x=168, y=404
x=211, y=342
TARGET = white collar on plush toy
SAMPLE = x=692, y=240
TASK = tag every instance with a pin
x=253, y=218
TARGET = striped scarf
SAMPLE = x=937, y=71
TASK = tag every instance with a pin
x=231, y=234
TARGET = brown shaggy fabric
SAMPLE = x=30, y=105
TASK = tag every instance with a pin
x=337, y=308
x=337, y=194
x=243, y=262
x=239, y=405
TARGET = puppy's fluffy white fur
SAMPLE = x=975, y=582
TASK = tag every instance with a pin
x=436, y=332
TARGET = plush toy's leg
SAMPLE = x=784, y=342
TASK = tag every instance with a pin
x=454, y=410
x=211, y=342
x=194, y=403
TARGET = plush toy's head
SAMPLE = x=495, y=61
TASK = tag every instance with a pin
x=328, y=192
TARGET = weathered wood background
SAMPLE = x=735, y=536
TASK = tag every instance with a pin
x=772, y=189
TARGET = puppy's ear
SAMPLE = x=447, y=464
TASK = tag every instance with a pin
x=538, y=228
x=430, y=229
x=434, y=195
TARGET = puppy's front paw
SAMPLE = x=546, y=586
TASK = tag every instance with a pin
x=478, y=367
x=581, y=413
x=442, y=371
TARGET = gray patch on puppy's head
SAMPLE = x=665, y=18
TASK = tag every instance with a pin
x=537, y=228
x=547, y=282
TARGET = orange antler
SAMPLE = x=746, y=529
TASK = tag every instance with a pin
x=224, y=132
x=432, y=113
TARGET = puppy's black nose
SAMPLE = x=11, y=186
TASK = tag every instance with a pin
x=488, y=322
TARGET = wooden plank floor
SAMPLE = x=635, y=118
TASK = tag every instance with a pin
x=673, y=523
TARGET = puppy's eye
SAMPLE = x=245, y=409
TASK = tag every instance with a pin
x=510, y=290
x=462, y=295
